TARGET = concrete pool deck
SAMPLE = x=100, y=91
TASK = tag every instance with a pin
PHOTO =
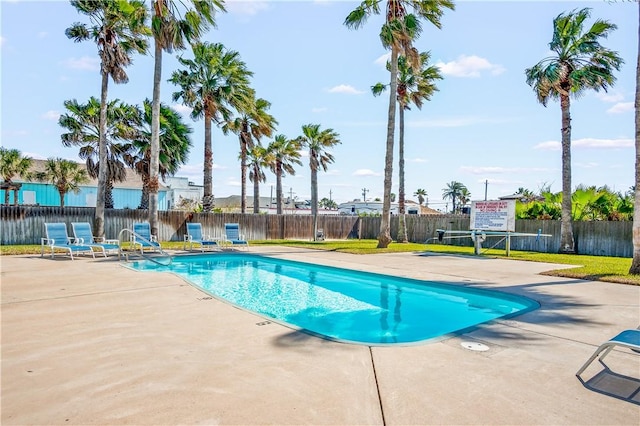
x=92, y=342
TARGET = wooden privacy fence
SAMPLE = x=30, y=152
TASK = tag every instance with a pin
x=24, y=225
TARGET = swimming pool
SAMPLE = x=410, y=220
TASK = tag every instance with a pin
x=342, y=304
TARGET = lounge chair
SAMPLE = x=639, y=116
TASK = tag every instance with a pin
x=142, y=237
x=83, y=235
x=58, y=239
x=626, y=339
x=194, y=236
x=233, y=237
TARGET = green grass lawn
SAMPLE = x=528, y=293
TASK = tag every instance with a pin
x=595, y=268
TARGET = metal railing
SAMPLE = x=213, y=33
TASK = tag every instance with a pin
x=134, y=239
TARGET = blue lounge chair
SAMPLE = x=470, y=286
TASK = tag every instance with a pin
x=626, y=339
x=83, y=235
x=233, y=237
x=58, y=239
x=142, y=237
x=194, y=236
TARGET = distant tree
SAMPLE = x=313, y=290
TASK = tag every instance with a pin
x=84, y=125
x=283, y=154
x=213, y=83
x=464, y=197
x=65, y=175
x=578, y=63
x=319, y=142
x=119, y=30
x=328, y=204
x=175, y=144
x=13, y=163
x=253, y=123
x=452, y=192
x=421, y=194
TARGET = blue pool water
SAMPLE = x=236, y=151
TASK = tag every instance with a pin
x=343, y=304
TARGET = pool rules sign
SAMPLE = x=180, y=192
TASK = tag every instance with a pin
x=493, y=215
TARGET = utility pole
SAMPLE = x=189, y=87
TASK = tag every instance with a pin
x=364, y=194
x=293, y=205
x=486, y=184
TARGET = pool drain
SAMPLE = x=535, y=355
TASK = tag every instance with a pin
x=475, y=346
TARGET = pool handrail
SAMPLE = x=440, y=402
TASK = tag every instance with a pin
x=132, y=235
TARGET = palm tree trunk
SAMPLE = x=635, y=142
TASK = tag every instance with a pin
x=207, y=200
x=154, y=162
x=314, y=198
x=61, y=198
x=566, y=230
x=256, y=191
x=384, y=237
x=6, y=196
x=243, y=171
x=144, y=198
x=108, y=195
x=279, y=189
x=98, y=224
x=402, y=228
x=635, y=265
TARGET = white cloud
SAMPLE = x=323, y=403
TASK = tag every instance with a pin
x=417, y=160
x=245, y=7
x=603, y=143
x=365, y=172
x=610, y=97
x=620, y=108
x=43, y=34
x=51, y=115
x=469, y=66
x=319, y=109
x=86, y=63
x=345, y=88
x=382, y=60
x=3, y=41
x=182, y=109
x=549, y=146
x=588, y=143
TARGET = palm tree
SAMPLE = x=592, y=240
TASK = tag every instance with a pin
x=119, y=29
x=421, y=194
x=398, y=33
x=413, y=88
x=214, y=82
x=85, y=129
x=253, y=123
x=257, y=160
x=283, y=154
x=317, y=141
x=175, y=143
x=453, y=191
x=635, y=264
x=12, y=164
x=464, y=197
x=65, y=175
x=172, y=24
x=578, y=63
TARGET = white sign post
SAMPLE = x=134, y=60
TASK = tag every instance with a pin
x=493, y=215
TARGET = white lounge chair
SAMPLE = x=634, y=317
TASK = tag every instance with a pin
x=233, y=237
x=194, y=236
x=57, y=238
x=626, y=339
x=84, y=235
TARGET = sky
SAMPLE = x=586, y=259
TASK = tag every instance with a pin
x=483, y=128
